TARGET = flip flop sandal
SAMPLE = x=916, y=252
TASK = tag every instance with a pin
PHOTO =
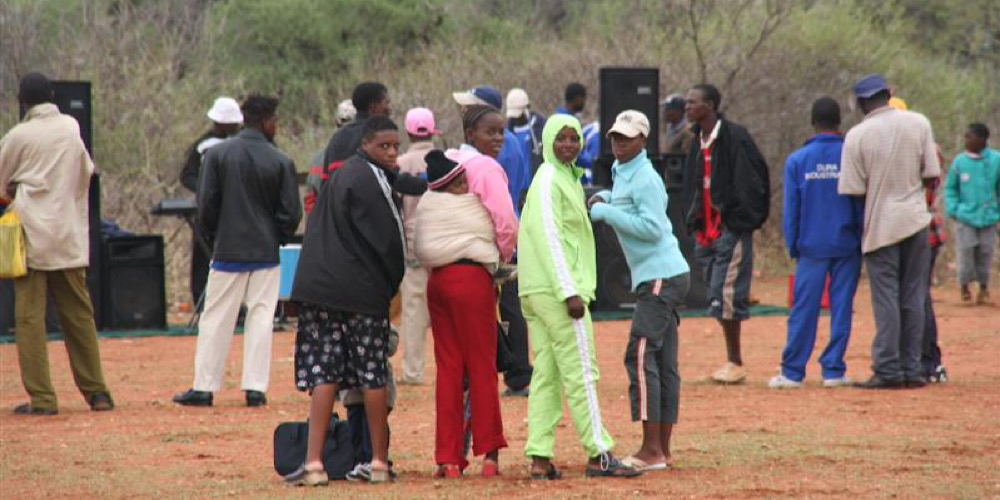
x=552, y=474
x=642, y=465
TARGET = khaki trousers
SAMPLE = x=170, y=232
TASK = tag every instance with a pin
x=223, y=295
x=416, y=320
x=76, y=317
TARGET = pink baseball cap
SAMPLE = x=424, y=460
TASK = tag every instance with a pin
x=420, y=122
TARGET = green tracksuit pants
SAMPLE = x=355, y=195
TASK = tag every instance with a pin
x=565, y=361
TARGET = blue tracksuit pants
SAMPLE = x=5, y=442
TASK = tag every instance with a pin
x=810, y=279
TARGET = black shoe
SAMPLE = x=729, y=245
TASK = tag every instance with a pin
x=516, y=393
x=194, y=398
x=27, y=409
x=938, y=376
x=101, y=401
x=611, y=467
x=256, y=398
x=879, y=383
x=915, y=383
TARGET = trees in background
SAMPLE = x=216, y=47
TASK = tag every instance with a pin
x=156, y=66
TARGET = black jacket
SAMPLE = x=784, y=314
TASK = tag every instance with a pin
x=192, y=164
x=353, y=253
x=741, y=186
x=248, y=198
x=343, y=144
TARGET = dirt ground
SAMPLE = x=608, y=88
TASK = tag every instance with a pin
x=732, y=442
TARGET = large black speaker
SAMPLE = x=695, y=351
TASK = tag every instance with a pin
x=134, y=294
x=74, y=99
x=671, y=168
x=614, y=283
x=630, y=88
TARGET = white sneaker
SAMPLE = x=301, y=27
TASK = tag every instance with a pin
x=361, y=472
x=844, y=381
x=782, y=382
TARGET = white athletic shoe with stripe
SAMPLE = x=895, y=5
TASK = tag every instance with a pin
x=782, y=382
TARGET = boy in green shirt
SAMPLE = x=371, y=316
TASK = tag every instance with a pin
x=972, y=198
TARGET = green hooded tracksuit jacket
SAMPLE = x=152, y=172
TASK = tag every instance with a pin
x=556, y=261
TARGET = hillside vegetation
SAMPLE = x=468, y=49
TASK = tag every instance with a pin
x=156, y=66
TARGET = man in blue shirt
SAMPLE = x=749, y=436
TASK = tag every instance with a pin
x=526, y=124
x=823, y=233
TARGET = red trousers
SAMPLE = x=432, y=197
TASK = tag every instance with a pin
x=462, y=303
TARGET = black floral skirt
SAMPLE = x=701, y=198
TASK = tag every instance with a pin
x=343, y=348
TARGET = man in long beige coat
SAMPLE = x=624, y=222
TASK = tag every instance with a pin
x=46, y=169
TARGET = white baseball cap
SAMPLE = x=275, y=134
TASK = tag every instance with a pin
x=517, y=103
x=346, y=111
x=225, y=110
x=630, y=123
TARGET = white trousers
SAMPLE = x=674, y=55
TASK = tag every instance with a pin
x=416, y=319
x=224, y=294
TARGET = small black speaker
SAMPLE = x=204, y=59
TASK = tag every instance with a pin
x=630, y=88
x=134, y=293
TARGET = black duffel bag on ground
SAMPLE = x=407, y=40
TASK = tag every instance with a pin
x=290, y=440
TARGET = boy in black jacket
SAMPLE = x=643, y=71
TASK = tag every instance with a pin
x=727, y=187
x=351, y=265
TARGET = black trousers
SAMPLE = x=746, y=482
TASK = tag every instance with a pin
x=519, y=376
x=931, y=356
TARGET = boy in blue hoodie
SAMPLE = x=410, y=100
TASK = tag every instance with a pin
x=823, y=233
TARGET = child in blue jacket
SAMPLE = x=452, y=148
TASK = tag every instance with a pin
x=823, y=233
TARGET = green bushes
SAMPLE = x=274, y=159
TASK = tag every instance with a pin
x=156, y=66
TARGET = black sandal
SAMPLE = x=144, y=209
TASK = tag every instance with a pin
x=552, y=474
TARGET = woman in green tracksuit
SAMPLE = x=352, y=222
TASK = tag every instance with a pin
x=557, y=272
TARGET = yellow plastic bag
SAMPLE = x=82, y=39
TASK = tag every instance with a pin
x=13, y=254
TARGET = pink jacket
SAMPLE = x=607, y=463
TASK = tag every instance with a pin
x=487, y=180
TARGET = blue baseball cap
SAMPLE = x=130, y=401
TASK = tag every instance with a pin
x=480, y=94
x=869, y=85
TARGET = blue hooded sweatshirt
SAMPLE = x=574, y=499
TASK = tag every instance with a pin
x=819, y=223
x=517, y=168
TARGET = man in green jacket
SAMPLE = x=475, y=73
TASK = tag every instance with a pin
x=972, y=198
x=558, y=275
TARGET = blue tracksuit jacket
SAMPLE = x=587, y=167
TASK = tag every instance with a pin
x=517, y=168
x=817, y=222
